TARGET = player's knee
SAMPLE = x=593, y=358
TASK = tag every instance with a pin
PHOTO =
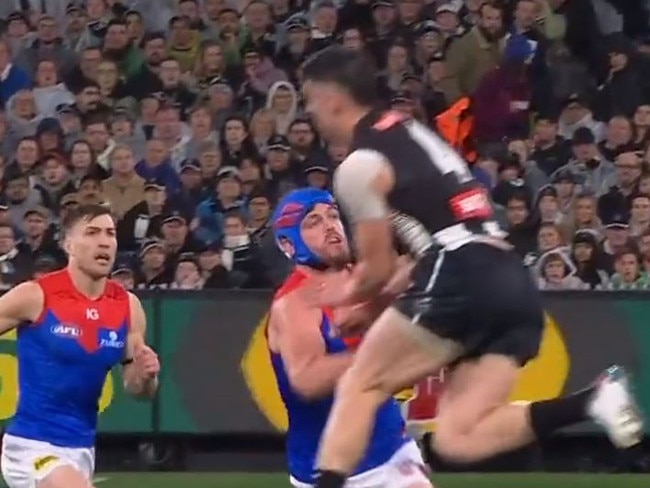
x=452, y=445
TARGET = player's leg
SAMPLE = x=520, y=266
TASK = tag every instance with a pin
x=407, y=469
x=64, y=476
x=475, y=419
x=394, y=353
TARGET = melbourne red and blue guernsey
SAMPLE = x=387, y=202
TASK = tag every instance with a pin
x=63, y=360
x=307, y=419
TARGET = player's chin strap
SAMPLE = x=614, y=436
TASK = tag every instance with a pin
x=288, y=217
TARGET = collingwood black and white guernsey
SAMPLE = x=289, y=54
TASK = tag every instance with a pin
x=435, y=194
x=464, y=286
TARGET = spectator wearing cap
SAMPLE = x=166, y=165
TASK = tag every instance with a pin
x=479, y=51
x=550, y=151
x=448, y=22
x=54, y=180
x=428, y=41
x=152, y=273
x=125, y=188
x=184, y=42
x=586, y=256
x=639, y=215
x=240, y=256
x=575, y=113
x=588, y=166
x=177, y=237
x=15, y=266
x=70, y=120
x=618, y=138
x=259, y=212
x=629, y=274
x=617, y=235
x=18, y=33
x=22, y=116
x=260, y=75
x=187, y=275
x=317, y=174
x=20, y=197
x=47, y=45
x=144, y=220
x=191, y=192
x=38, y=239
x=622, y=91
x=215, y=275
x=48, y=91
x=383, y=31
x=208, y=221
x=282, y=174
x=157, y=166
x=123, y=274
x=502, y=100
x=297, y=46
x=75, y=24
x=282, y=100
x=618, y=197
x=147, y=78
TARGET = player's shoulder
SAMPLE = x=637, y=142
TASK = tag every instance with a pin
x=54, y=281
x=288, y=299
x=115, y=290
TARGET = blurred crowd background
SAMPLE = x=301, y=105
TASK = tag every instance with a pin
x=185, y=116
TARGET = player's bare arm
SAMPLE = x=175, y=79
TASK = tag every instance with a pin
x=294, y=331
x=141, y=365
x=23, y=303
x=361, y=184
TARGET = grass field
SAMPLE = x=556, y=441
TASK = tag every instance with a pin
x=279, y=480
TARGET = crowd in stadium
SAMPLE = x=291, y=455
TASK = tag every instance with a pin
x=185, y=116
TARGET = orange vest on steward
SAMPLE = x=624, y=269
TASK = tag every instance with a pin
x=456, y=126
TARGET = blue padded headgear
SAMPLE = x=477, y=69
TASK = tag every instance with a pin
x=288, y=216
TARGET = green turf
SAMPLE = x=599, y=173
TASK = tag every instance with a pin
x=277, y=480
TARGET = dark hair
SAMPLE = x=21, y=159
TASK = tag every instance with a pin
x=235, y=214
x=116, y=21
x=84, y=212
x=348, y=69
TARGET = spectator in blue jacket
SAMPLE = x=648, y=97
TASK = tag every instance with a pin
x=157, y=166
x=12, y=78
x=209, y=218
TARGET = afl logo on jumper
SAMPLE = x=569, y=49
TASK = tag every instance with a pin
x=66, y=330
x=110, y=338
